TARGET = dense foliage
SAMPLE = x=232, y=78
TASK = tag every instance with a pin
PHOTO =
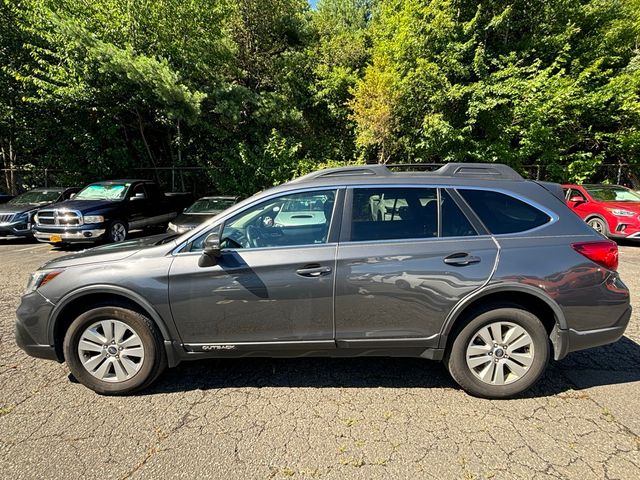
x=258, y=91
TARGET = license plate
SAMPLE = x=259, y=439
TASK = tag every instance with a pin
x=55, y=238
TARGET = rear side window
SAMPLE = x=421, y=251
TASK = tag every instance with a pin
x=454, y=222
x=502, y=213
x=394, y=213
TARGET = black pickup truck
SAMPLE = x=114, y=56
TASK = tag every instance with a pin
x=108, y=211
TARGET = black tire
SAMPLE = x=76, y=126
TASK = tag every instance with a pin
x=456, y=358
x=111, y=235
x=153, y=363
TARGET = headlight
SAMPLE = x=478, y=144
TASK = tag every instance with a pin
x=621, y=213
x=41, y=278
x=93, y=219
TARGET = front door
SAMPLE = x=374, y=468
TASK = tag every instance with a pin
x=401, y=271
x=273, y=283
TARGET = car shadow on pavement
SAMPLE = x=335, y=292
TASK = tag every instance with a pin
x=613, y=364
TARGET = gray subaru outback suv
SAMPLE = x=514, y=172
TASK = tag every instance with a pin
x=469, y=264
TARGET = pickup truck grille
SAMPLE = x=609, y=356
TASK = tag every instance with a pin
x=6, y=217
x=62, y=218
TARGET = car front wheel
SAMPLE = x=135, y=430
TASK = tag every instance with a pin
x=499, y=353
x=113, y=350
x=598, y=225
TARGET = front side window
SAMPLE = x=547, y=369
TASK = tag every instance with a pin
x=576, y=193
x=502, y=213
x=289, y=220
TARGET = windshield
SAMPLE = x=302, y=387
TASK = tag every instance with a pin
x=103, y=192
x=313, y=204
x=210, y=205
x=36, y=196
x=612, y=194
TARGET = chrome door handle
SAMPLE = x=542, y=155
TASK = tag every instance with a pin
x=313, y=270
x=461, y=259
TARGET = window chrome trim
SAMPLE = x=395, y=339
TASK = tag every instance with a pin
x=553, y=217
x=216, y=221
x=348, y=187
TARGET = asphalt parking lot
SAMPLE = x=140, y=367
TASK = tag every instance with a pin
x=317, y=418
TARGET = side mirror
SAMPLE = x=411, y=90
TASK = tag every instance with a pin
x=577, y=199
x=71, y=196
x=139, y=196
x=212, y=251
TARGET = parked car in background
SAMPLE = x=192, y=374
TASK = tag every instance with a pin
x=4, y=197
x=16, y=215
x=108, y=211
x=612, y=210
x=461, y=279
x=313, y=210
x=203, y=209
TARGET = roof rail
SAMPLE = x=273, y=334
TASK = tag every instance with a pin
x=496, y=171
x=479, y=170
x=354, y=170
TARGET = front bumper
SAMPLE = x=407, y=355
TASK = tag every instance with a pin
x=68, y=235
x=19, y=229
x=570, y=340
x=32, y=326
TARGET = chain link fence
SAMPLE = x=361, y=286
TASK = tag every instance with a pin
x=199, y=180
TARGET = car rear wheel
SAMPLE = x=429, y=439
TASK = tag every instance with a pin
x=598, y=225
x=113, y=350
x=117, y=231
x=499, y=353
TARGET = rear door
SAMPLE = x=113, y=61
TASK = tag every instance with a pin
x=401, y=272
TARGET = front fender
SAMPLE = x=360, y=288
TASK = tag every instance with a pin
x=106, y=289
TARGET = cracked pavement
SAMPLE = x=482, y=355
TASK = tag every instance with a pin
x=316, y=418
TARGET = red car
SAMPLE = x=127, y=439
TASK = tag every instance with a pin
x=611, y=210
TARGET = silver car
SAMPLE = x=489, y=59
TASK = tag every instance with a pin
x=469, y=264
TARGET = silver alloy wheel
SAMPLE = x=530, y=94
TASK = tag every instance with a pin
x=500, y=353
x=597, y=225
x=111, y=351
x=118, y=232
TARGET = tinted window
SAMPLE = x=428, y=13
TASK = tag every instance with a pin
x=576, y=193
x=289, y=220
x=152, y=190
x=502, y=213
x=36, y=196
x=454, y=222
x=394, y=213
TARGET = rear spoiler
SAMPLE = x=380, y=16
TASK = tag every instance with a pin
x=554, y=188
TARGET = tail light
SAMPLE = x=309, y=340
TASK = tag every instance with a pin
x=604, y=253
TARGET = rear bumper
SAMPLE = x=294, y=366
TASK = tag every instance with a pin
x=70, y=236
x=570, y=340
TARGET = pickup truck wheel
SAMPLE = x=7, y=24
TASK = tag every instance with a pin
x=114, y=351
x=117, y=231
x=500, y=353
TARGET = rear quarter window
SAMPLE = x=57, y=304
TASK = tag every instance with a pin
x=502, y=213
